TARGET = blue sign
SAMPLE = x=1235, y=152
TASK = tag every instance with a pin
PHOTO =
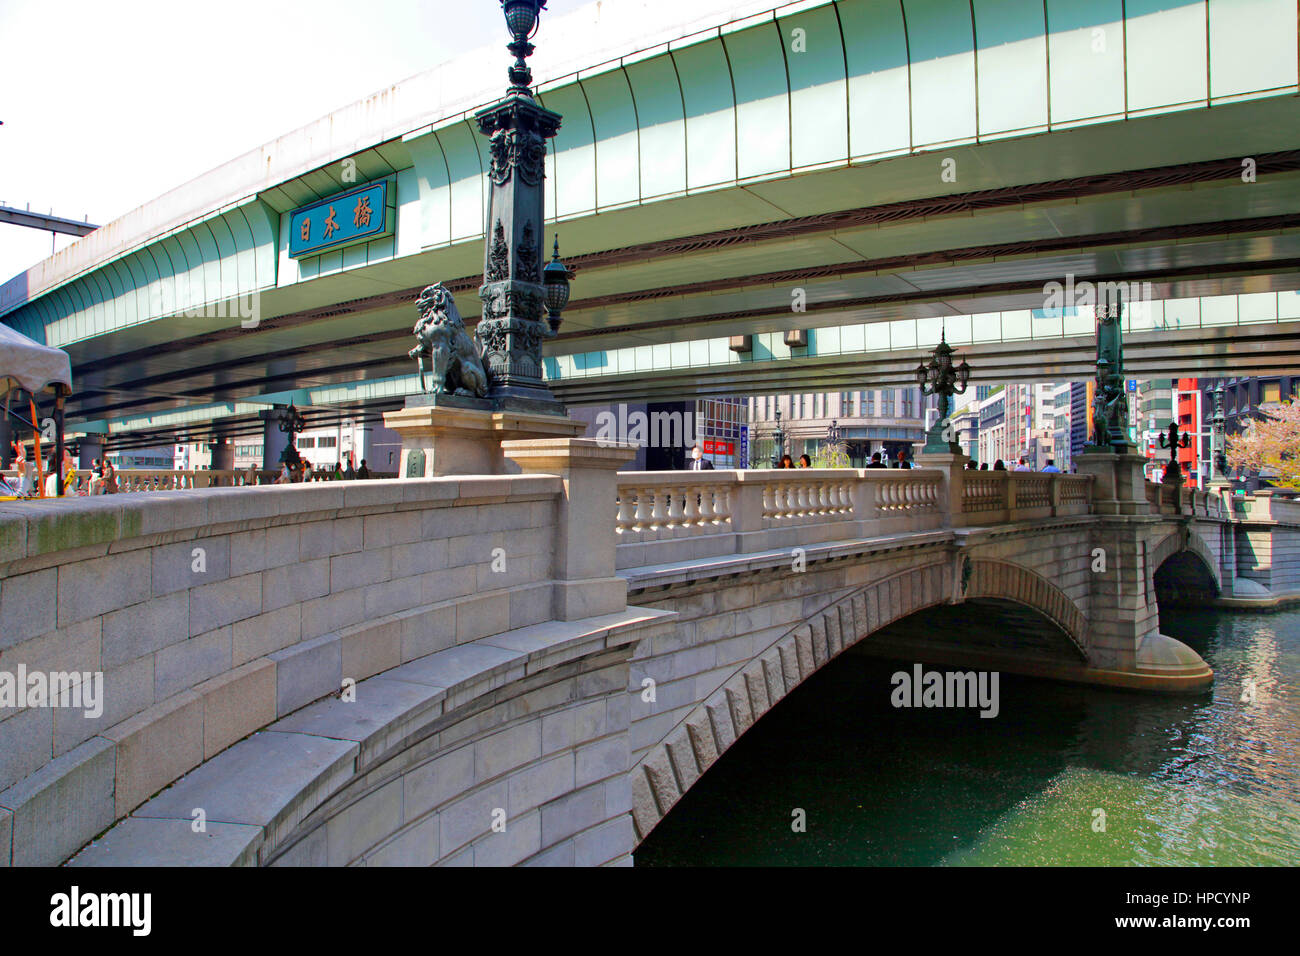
x=1132, y=385
x=358, y=215
x=743, y=460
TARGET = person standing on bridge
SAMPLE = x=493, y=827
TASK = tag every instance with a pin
x=349, y=473
x=1051, y=467
x=875, y=461
x=698, y=462
x=363, y=471
x=786, y=462
x=805, y=461
x=999, y=465
x=1023, y=465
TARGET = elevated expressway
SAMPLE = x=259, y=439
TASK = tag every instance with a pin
x=900, y=168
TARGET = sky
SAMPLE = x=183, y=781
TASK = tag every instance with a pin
x=108, y=105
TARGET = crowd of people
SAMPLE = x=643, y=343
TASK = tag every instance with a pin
x=102, y=477
x=1021, y=465
x=304, y=471
x=698, y=462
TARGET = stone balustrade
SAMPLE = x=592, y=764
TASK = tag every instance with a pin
x=663, y=517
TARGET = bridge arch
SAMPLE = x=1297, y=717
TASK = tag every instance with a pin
x=671, y=767
x=1183, y=569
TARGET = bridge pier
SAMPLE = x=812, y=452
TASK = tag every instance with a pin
x=1126, y=648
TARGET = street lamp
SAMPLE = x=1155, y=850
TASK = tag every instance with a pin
x=291, y=422
x=1173, y=439
x=1218, y=435
x=556, y=278
x=521, y=20
x=940, y=377
x=778, y=438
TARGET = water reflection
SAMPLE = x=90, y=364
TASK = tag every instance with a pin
x=1209, y=780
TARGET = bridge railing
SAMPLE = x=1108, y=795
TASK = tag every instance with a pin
x=992, y=497
x=674, y=516
x=1189, y=501
x=665, y=517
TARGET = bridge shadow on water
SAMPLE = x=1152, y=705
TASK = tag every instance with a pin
x=886, y=786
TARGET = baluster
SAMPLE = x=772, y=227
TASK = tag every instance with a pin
x=642, y=514
x=624, y=520
x=675, y=504
x=706, y=505
x=691, y=506
x=721, y=504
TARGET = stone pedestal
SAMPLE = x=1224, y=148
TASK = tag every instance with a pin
x=1120, y=485
x=585, y=583
x=463, y=436
x=952, y=466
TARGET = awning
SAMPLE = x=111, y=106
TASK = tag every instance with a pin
x=29, y=365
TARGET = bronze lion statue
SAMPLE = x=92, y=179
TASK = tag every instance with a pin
x=456, y=368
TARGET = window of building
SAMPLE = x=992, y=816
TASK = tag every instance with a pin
x=327, y=441
x=1271, y=392
x=305, y=442
x=887, y=403
x=871, y=403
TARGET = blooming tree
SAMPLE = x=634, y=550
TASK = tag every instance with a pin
x=1270, y=445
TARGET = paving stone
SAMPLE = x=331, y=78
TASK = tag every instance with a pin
x=62, y=805
x=383, y=714
x=256, y=637
x=609, y=841
x=361, y=826
x=307, y=672
x=28, y=606
x=172, y=843
x=26, y=742
x=90, y=588
x=235, y=704
x=143, y=628
x=414, y=845
x=155, y=747
x=216, y=605
x=6, y=837
x=268, y=778
x=126, y=692
x=190, y=564
x=181, y=666
x=572, y=813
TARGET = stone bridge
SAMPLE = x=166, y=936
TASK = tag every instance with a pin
x=532, y=668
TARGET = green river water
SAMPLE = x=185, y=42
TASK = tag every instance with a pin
x=1205, y=780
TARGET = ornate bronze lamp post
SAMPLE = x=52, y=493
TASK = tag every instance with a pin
x=515, y=291
x=1218, y=439
x=940, y=377
x=292, y=424
x=778, y=439
x=1173, y=439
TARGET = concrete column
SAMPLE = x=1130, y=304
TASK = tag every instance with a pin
x=223, y=455
x=6, y=436
x=585, y=583
x=88, y=449
x=274, y=441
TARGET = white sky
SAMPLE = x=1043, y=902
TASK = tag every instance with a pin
x=108, y=105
